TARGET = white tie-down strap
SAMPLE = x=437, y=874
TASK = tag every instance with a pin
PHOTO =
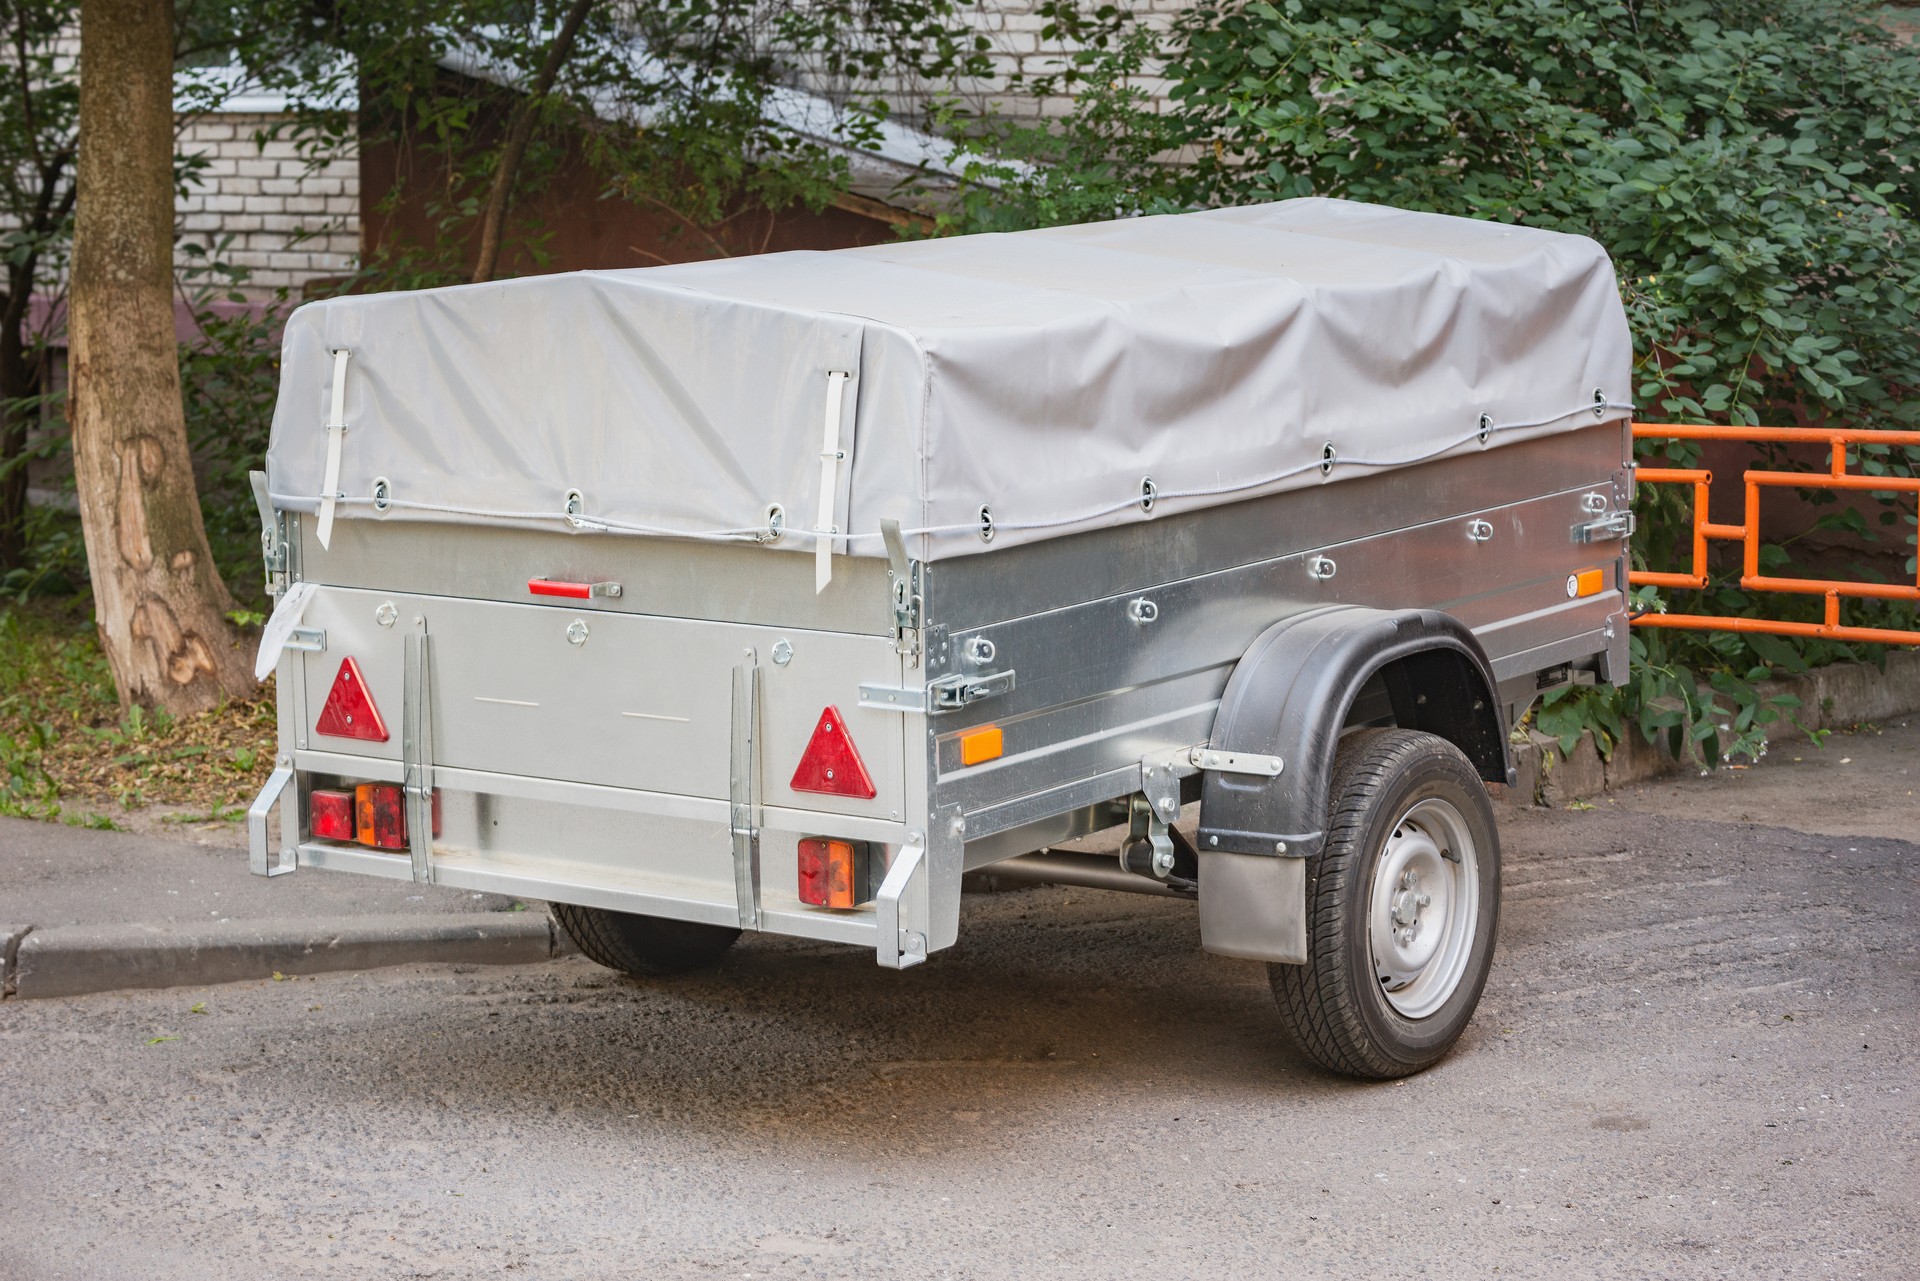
x=830, y=456
x=336, y=434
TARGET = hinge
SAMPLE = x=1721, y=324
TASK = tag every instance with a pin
x=1606, y=529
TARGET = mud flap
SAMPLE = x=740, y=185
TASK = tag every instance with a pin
x=1254, y=906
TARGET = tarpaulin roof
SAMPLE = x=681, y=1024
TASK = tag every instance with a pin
x=1043, y=376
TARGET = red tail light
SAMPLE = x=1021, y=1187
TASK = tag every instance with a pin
x=330, y=815
x=831, y=764
x=349, y=711
x=834, y=873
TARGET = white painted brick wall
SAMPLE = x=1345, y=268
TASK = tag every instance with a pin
x=1016, y=45
x=289, y=222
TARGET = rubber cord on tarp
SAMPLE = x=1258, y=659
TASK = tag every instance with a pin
x=758, y=534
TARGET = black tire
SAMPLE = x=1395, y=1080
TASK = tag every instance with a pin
x=643, y=946
x=1336, y=1007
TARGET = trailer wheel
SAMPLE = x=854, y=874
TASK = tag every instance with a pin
x=1402, y=906
x=643, y=946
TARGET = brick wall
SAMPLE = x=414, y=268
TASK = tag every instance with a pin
x=1904, y=21
x=289, y=222
x=1016, y=46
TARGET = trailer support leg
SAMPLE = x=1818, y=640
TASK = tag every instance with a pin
x=263, y=860
x=900, y=912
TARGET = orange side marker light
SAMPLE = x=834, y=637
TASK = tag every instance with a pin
x=1587, y=582
x=979, y=745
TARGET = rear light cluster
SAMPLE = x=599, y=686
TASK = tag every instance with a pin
x=373, y=814
x=835, y=873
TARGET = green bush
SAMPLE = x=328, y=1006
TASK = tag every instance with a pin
x=1753, y=166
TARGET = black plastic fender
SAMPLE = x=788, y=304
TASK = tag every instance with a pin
x=1290, y=694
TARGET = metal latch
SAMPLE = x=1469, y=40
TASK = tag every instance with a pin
x=905, y=576
x=942, y=695
x=950, y=692
x=273, y=535
x=1613, y=525
x=311, y=640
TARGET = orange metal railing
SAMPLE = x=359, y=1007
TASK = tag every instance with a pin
x=1747, y=533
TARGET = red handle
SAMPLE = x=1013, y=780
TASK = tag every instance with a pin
x=548, y=587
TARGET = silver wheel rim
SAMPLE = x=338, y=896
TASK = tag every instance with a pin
x=1423, y=908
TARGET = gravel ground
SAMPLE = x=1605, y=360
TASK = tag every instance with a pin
x=1695, y=1059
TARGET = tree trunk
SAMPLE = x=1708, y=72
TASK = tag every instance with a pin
x=158, y=600
x=493, y=219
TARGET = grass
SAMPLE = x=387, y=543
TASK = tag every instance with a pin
x=66, y=751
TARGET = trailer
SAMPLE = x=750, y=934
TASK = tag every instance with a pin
x=778, y=594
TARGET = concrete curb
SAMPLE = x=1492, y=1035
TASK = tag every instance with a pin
x=1832, y=697
x=10, y=936
x=73, y=960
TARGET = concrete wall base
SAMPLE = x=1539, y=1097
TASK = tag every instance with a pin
x=1832, y=697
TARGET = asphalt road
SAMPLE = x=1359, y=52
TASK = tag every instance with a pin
x=1695, y=1059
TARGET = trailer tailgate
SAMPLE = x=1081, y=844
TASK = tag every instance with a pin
x=616, y=699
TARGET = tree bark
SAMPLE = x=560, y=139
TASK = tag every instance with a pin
x=493, y=220
x=158, y=600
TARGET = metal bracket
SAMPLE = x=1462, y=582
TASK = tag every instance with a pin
x=416, y=750
x=1147, y=828
x=900, y=910
x=260, y=859
x=893, y=698
x=905, y=576
x=1608, y=528
x=743, y=815
x=1160, y=784
x=311, y=640
x=1235, y=762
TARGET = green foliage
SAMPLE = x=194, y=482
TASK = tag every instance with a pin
x=49, y=675
x=1703, y=716
x=229, y=376
x=1753, y=166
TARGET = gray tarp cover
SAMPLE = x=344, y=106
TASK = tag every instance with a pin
x=1044, y=375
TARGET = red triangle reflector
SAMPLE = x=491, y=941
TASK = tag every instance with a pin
x=831, y=763
x=349, y=711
